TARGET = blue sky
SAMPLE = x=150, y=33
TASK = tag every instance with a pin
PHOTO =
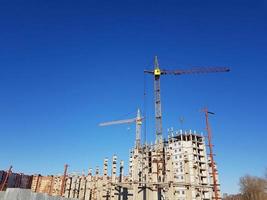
x=68, y=65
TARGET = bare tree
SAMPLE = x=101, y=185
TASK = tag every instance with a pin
x=253, y=188
x=233, y=197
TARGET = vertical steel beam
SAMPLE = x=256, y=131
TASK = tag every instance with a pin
x=63, y=180
x=37, y=183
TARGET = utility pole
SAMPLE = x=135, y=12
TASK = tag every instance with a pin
x=64, y=180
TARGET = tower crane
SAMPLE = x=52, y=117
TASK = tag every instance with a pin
x=138, y=120
x=157, y=72
x=212, y=162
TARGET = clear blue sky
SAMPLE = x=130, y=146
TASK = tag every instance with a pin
x=67, y=65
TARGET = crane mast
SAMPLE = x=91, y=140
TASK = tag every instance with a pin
x=138, y=129
x=158, y=114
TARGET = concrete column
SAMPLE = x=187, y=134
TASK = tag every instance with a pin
x=169, y=174
x=88, y=192
x=73, y=188
x=90, y=173
x=105, y=179
x=135, y=173
x=68, y=187
x=105, y=169
x=113, y=177
x=82, y=189
x=51, y=185
x=131, y=165
x=114, y=169
x=97, y=172
x=121, y=171
x=135, y=165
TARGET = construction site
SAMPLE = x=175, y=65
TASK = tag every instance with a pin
x=180, y=167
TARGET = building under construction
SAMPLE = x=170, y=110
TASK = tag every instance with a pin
x=178, y=167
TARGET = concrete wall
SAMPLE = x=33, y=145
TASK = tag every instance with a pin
x=26, y=194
